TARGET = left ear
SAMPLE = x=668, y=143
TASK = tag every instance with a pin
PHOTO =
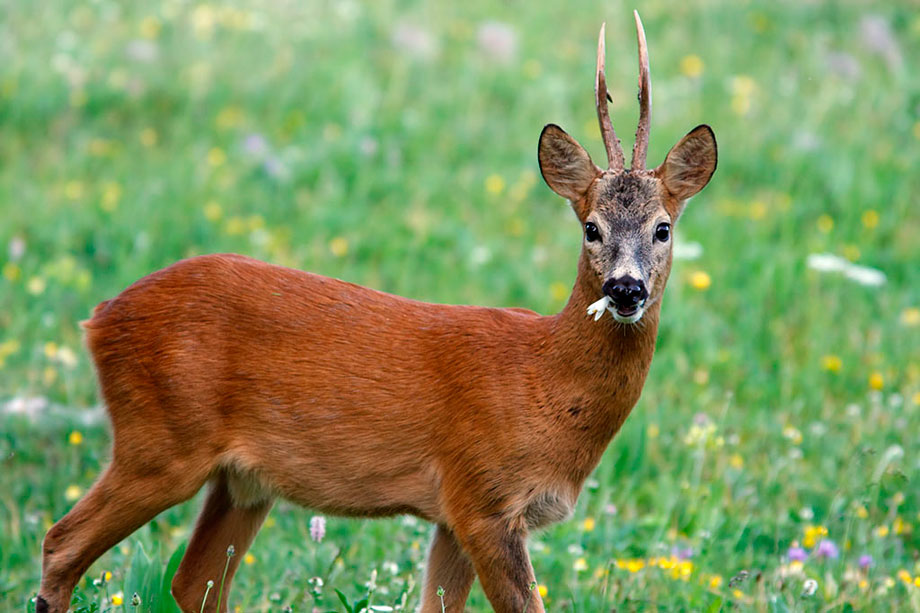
x=689, y=164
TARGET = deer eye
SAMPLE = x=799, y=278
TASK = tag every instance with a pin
x=663, y=232
x=592, y=233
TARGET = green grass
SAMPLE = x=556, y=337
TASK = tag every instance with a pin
x=416, y=173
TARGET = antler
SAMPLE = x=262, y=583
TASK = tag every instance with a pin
x=615, y=159
x=640, y=148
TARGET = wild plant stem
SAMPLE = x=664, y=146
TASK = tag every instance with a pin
x=206, y=592
x=220, y=592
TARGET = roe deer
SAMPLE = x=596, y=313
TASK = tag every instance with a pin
x=486, y=422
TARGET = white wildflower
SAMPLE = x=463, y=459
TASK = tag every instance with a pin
x=597, y=308
x=826, y=262
x=809, y=588
x=687, y=251
x=864, y=275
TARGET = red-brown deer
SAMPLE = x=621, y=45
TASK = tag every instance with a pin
x=486, y=422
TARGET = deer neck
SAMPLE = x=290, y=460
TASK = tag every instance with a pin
x=598, y=367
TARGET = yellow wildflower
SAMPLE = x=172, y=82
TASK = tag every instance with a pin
x=812, y=534
x=495, y=185
x=904, y=576
x=876, y=380
x=715, y=582
x=825, y=224
x=35, y=286
x=588, y=524
x=862, y=512
x=831, y=363
x=100, y=147
x=635, y=565
x=149, y=27
x=559, y=291
x=881, y=531
x=736, y=461
x=111, y=195
x=532, y=69
x=235, y=226
x=691, y=65
x=339, y=247
x=216, y=157
x=249, y=559
x=118, y=599
x=652, y=431
x=75, y=438
x=73, y=190
x=148, y=137
x=72, y=493
x=12, y=271
x=580, y=564
x=700, y=280
x=212, y=211
x=542, y=590
x=229, y=117
x=910, y=316
x=870, y=219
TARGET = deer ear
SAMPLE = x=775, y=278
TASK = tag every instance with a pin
x=566, y=166
x=690, y=163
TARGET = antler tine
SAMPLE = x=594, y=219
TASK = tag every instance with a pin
x=640, y=148
x=615, y=159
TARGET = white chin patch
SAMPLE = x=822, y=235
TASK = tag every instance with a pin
x=596, y=309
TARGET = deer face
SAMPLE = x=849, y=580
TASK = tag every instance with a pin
x=627, y=215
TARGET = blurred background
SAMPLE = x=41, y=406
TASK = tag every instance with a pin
x=393, y=144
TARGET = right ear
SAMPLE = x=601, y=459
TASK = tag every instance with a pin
x=566, y=166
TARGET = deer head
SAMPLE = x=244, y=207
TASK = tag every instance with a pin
x=627, y=214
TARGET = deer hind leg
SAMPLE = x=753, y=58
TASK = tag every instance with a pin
x=449, y=568
x=499, y=554
x=118, y=503
x=232, y=515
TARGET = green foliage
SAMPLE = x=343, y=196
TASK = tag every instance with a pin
x=393, y=144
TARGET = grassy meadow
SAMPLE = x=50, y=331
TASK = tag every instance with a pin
x=772, y=463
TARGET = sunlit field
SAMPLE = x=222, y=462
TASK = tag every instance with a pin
x=772, y=463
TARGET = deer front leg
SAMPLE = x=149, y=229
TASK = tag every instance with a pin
x=450, y=569
x=499, y=554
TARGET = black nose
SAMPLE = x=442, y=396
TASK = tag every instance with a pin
x=625, y=292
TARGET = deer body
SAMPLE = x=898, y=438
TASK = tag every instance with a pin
x=352, y=401
x=269, y=382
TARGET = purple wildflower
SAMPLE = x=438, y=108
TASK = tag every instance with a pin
x=255, y=145
x=827, y=549
x=797, y=554
x=682, y=553
x=865, y=561
x=317, y=528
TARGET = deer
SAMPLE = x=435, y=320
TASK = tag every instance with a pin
x=258, y=380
